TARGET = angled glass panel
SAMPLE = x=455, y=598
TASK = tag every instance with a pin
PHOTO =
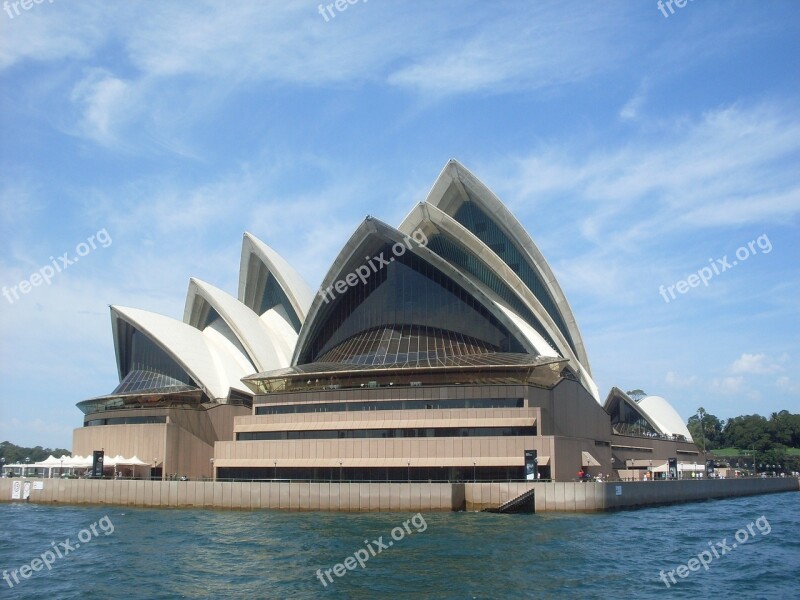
x=149, y=365
x=368, y=347
x=407, y=292
x=269, y=294
x=459, y=256
x=486, y=229
x=625, y=420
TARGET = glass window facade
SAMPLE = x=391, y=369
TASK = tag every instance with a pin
x=211, y=316
x=405, y=344
x=149, y=381
x=413, y=432
x=487, y=230
x=407, y=292
x=267, y=292
x=285, y=409
x=126, y=421
x=189, y=398
x=625, y=420
x=273, y=296
x=459, y=256
x=400, y=474
x=145, y=366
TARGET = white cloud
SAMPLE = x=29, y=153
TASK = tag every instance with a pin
x=676, y=380
x=728, y=385
x=54, y=32
x=540, y=46
x=630, y=111
x=104, y=102
x=755, y=364
x=731, y=166
x=785, y=384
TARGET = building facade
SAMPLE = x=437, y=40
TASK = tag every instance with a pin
x=441, y=350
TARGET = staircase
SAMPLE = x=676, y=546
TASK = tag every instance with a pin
x=524, y=503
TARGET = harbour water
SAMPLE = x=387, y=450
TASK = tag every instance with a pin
x=136, y=553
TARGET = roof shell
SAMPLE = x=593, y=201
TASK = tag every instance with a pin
x=455, y=185
x=256, y=336
x=664, y=416
x=214, y=370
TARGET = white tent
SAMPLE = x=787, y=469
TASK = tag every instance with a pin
x=113, y=461
x=50, y=461
x=78, y=462
x=121, y=461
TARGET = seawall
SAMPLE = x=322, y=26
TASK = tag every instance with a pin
x=386, y=497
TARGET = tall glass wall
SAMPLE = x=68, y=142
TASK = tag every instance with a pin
x=408, y=291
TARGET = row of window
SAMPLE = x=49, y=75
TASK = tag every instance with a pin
x=126, y=421
x=410, y=473
x=283, y=409
x=412, y=432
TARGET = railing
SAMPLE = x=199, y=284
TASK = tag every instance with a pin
x=279, y=480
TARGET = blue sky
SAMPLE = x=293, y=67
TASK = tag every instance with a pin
x=633, y=148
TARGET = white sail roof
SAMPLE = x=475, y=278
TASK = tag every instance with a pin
x=664, y=416
x=291, y=282
x=455, y=186
x=213, y=368
x=259, y=339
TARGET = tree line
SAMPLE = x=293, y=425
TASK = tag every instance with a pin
x=767, y=437
x=17, y=454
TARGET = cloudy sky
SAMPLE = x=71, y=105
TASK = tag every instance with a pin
x=637, y=150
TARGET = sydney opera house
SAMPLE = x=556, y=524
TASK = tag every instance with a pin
x=443, y=350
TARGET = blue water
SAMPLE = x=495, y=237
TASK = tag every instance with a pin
x=212, y=554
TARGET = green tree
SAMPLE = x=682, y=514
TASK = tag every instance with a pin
x=17, y=454
x=748, y=431
x=706, y=429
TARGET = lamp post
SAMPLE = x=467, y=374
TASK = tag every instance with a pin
x=27, y=462
x=213, y=470
x=275, y=475
x=650, y=468
x=152, y=474
x=474, y=479
x=409, y=471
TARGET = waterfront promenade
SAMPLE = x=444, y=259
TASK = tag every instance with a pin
x=386, y=497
